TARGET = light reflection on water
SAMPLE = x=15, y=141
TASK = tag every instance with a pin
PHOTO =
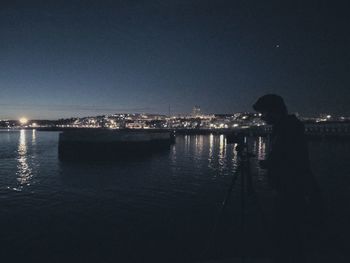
x=222, y=152
x=199, y=146
x=199, y=155
x=205, y=154
x=261, y=149
x=211, y=151
x=24, y=172
x=34, y=137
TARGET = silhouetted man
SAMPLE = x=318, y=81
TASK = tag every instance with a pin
x=289, y=174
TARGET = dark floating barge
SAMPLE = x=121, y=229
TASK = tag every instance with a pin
x=103, y=144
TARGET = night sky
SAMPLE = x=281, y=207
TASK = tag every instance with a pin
x=80, y=58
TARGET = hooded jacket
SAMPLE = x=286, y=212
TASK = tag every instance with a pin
x=288, y=160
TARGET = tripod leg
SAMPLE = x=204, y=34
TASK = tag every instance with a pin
x=243, y=170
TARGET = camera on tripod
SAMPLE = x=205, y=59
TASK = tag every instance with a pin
x=241, y=141
x=237, y=138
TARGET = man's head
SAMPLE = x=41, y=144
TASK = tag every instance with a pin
x=271, y=107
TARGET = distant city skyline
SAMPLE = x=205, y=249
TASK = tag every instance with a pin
x=194, y=113
x=64, y=59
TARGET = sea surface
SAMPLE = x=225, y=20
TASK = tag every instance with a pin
x=162, y=208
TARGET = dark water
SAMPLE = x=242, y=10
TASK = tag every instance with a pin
x=157, y=209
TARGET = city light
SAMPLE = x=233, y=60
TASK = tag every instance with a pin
x=23, y=121
x=238, y=120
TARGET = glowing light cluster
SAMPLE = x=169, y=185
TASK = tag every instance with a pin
x=23, y=120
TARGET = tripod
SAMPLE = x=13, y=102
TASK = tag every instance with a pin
x=242, y=172
x=246, y=190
